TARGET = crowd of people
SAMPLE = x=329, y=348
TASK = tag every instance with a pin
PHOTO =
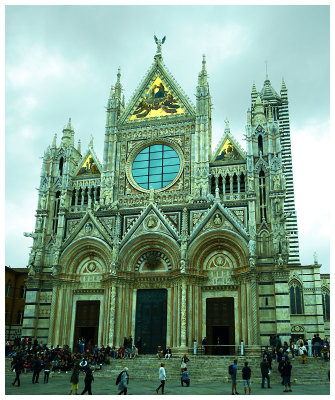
x=32, y=356
x=315, y=347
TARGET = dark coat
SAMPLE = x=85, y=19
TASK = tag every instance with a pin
x=264, y=367
x=287, y=368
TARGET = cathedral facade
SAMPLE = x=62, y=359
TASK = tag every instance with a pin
x=166, y=238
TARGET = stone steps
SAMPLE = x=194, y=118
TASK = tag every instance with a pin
x=214, y=368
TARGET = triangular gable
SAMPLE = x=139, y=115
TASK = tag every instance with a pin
x=158, y=95
x=88, y=226
x=228, y=150
x=219, y=217
x=89, y=165
x=157, y=223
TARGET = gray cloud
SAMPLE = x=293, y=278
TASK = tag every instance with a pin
x=62, y=60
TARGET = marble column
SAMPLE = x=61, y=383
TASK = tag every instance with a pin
x=183, y=315
x=52, y=316
x=112, y=312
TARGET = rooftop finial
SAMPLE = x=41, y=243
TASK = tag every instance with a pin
x=266, y=69
x=203, y=62
x=159, y=45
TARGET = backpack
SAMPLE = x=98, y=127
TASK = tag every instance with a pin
x=118, y=379
x=230, y=369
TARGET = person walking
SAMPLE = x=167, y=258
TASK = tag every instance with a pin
x=162, y=378
x=17, y=368
x=233, y=374
x=287, y=375
x=75, y=378
x=265, y=370
x=47, y=368
x=184, y=361
x=246, y=375
x=123, y=379
x=36, y=367
x=89, y=378
x=303, y=353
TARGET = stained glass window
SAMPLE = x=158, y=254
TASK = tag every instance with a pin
x=155, y=166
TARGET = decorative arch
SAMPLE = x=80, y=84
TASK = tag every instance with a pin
x=231, y=245
x=79, y=256
x=135, y=251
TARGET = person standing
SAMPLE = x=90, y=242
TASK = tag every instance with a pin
x=124, y=380
x=89, y=378
x=233, y=374
x=205, y=343
x=265, y=370
x=17, y=368
x=246, y=375
x=287, y=375
x=75, y=378
x=162, y=378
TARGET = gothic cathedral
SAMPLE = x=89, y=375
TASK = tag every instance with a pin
x=166, y=239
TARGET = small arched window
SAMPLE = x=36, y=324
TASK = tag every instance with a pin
x=19, y=317
x=296, y=298
x=235, y=185
x=22, y=292
x=326, y=304
x=8, y=288
x=260, y=144
x=227, y=184
x=242, y=182
x=213, y=185
x=61, y=163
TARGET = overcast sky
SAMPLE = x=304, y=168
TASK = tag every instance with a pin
x=62, y=60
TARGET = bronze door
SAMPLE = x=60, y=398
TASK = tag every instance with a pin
x=87, y=322
x=151, y=313
x=220, y=325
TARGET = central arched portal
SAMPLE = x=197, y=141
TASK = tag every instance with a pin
x=151, y=315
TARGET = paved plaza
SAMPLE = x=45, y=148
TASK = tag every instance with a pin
x=60, y=385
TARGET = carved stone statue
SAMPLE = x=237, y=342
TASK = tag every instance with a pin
x=151, y=195
x=315, y=258
x=183, y=250
x=276, y=182
x=252, y=247
x=43, y=201
x=250, y=182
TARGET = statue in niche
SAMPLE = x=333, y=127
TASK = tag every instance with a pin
x=217, y=221
x=151, y=222
x=88, y=227
x=43, y=201
x=250, y=182
x=276, y=182
x=31, y=272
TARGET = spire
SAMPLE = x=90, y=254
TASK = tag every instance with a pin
x=283, y=90
x=54, y=145
x=202, y=78
x=79, y=146
x=253, y=93
x=227, y=128
x=91, y=142
x=118, y=86
x=68, y=135
x=258, y=114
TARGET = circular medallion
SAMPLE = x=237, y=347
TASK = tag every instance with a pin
x=91, y=267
